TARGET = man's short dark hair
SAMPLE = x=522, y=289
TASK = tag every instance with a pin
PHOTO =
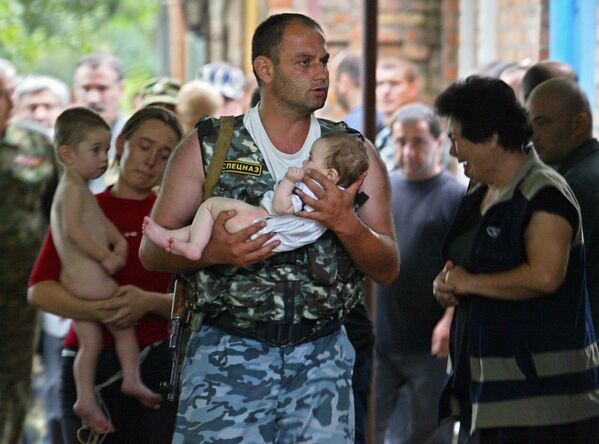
x=545, y=70
x=419, y=112
x=269, y=35
x=485, y=106
x=99, y=59
x=351, y=65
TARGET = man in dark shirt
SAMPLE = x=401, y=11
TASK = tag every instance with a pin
x=562, y=125
x=412, y=329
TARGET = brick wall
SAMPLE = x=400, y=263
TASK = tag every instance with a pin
x=519, y=26
x=412, y=29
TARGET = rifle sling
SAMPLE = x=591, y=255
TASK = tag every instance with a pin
x=220, y=154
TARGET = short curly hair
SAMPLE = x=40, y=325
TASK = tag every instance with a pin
x=485, y=106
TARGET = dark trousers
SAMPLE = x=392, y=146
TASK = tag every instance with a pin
x=361, y=389
x=133, y=422
x=581, y=432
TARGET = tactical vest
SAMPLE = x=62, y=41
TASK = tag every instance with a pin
x=318, y=281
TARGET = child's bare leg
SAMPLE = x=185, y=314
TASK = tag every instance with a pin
x=128, y=354
x=84, y=372
x=201, y=228
x=160, y=235
x=199, y=233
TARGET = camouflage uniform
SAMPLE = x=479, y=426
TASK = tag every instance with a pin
x=27, y=180
x=317, y=282
x=231, y=381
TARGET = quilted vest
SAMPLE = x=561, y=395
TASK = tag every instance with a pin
x=318, y=281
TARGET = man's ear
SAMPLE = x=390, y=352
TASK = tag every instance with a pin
x=264, y=69
x=333, y=175
x=581, y=124
x=493, y=141
x=414, y=89
x=344, y=83
x=65, y=153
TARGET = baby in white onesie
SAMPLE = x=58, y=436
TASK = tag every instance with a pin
x=341, y=157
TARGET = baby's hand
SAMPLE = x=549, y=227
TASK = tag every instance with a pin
x=113, y=263
x=294, y=174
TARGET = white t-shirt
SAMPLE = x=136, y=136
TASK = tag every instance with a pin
x=278, y=162
x=292, y=231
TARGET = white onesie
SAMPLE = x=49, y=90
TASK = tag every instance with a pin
x=292, y=231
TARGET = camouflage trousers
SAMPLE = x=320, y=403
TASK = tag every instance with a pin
x=240, y=390
x=19, y=330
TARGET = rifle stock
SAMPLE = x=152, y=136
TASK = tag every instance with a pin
x=178, y=324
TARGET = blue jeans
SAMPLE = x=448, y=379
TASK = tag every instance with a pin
x=408, y=388
x=240, y=390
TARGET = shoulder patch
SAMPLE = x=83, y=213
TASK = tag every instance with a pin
x=241, y=167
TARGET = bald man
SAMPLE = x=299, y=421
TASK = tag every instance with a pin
x=542, y=71
x=562, y=126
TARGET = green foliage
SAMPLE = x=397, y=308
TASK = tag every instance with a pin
x=49, y=36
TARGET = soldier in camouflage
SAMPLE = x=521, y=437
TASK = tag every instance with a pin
x=272, y=362
x=27, y=180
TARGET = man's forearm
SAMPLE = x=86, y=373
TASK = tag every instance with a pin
x=375, y=254
x=155, y=258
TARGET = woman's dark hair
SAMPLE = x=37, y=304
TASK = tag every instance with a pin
x=485, y=106
x=148, y=113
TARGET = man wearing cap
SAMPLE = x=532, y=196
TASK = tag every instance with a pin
x=161, y=91
x=229, y=81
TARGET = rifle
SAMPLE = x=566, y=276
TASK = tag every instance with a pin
x=179, y=322
x=181, y=316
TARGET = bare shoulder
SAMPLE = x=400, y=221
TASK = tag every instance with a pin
x=186, y=151
x=67, y=190
x=181, y=189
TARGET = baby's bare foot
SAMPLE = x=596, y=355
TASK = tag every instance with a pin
x=155, y=232
x=146, y=396
x=183, y=248
x=92, y=416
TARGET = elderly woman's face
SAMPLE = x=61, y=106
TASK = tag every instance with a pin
x=468, y=153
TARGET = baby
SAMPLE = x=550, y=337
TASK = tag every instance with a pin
x=341, y=157
x=91, y=249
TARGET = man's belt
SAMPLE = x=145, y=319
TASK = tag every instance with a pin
x=278, y=334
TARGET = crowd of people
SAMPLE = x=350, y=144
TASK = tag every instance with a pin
x=485, y=335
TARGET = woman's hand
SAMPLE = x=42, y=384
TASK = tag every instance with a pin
x=443, y=290
x=125, y=307
x=440, y=337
